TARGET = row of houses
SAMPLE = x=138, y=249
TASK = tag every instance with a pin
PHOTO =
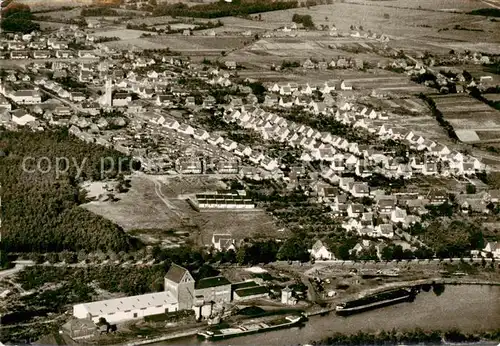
x=294, y=89
x=256, y=157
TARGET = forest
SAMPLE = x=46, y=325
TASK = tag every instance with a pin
x=223, y=9
x=41, y=211
x=17, y=18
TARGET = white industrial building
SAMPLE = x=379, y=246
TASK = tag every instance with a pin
x=127, y=308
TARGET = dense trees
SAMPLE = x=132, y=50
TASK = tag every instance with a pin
x=223, y=9
x=490, y=12
x=98, y=12
x=41, y=210
x=416, y=336
x=259, y=252
x=305, y=20
x=453, y=240
x=294, y=248
x=439, y=117
x=18, y=18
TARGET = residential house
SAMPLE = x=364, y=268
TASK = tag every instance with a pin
x=268, y=163
x=346, y=183
x=320, y=252
x=29, y=96
x=223, y=242
x=492, y=249
x=121, y=99
x=437, y=197
x=386, y=205
x=344, y=85
x=77, y=96
x=190, y=101
x=228, y=145
x=355, y=210
x=360, y=190
x=22, y=119
x=231, y=65
x=188, y=165
x=385, y=231
x=430, y=168
x=464, y=168
x=242, y=150
x=398, y=215
x=256, y=157
x=185, y=129
x=308, y=64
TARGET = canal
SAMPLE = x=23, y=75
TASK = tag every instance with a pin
x=466, y=307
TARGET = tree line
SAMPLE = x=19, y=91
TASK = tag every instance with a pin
x=416, y=336
x=439, y=117
x=17, y=18
x=223, y=9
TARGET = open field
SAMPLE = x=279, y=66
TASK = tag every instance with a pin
x=123, y=34
x=41, y=4
x=155, y=210
x=187, y=45
x=492, y=97
x=415, y=28
x=465, y=112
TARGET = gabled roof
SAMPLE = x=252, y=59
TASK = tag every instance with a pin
x=176, y=273
x=317, y=246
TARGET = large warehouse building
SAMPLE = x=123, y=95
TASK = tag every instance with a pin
x=127, y=308
x=182, y=292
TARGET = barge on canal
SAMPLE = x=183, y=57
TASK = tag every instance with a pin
x=245, y=329
x=376, y=301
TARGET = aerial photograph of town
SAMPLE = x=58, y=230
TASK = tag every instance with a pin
x=249, y=172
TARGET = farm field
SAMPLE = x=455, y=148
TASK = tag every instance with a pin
x=192, y=45
x=123, y=34
x=445, y=6
x=492, y=97
x=465, y=112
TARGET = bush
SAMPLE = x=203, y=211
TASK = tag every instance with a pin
x=305, y=20
x=490, y=12
x=98, y=12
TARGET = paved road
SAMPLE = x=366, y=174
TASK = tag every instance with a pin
x=64, y=101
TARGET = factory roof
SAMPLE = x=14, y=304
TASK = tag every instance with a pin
x=126, y=304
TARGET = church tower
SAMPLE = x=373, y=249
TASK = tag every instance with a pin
x=108, y=90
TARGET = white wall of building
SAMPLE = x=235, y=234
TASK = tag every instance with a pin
x=127, y=308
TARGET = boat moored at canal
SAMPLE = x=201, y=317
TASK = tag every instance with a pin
x=376, y=301
x=249, y=328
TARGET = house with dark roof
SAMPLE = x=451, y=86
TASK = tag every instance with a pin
x=248, y=290
x=215, y=289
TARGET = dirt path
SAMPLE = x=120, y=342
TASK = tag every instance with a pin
x=491, y=3
x=171, y=207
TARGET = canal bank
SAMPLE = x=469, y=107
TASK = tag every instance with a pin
x=469, y=308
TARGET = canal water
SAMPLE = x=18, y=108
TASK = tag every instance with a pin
x=466, y=307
